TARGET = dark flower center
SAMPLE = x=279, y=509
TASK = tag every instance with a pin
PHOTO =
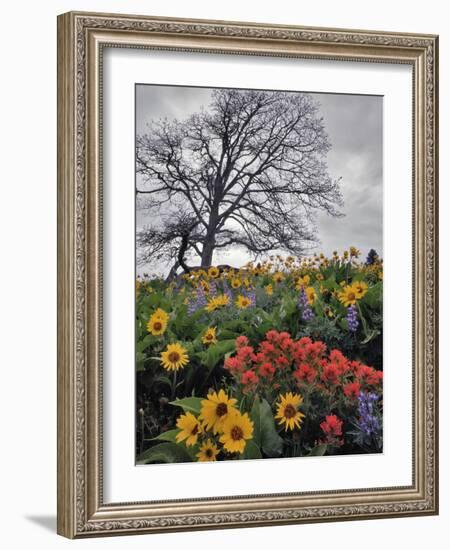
x=157, y=325
x=236, y=433
x=290, y=411
x=174, y=356
x=221, y=409
x=194, y=430
x=209, y=453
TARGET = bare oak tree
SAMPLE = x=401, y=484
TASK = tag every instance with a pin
x=249, y=170
x=173, y=240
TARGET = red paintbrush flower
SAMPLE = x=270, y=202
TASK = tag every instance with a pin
x=352, y=389
x=249, y=377
x=330, y=373
x=241, y=341
x=267, y=369
x=332, y=426
x=305, y=372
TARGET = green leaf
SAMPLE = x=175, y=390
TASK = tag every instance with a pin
x=164, y=452
x=329, y=283
x=144, y=343
x=189, y=404
x=370, y=336
x=264, y=431
x=251, y=451
x=287, y=308
x=374, y=295
x=170, y=435
x=163, y=380
x=140, y=358
x=216, y=352
x=318, y=450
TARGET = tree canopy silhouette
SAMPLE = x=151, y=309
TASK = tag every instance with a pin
x=249, y=170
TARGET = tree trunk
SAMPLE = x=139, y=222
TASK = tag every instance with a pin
x=210, y=238
x=207, y=252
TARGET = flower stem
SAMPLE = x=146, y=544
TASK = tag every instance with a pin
x=174, y=385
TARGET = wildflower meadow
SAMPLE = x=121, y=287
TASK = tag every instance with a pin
x=281, y=358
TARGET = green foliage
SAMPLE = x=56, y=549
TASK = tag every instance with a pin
x=265, y=434
x=324, y=329
x=216, y=353
x=189, y=404
x=167, y=436
x=164, y=452
x=251, y=451
x=318, y=450
x=162, y=395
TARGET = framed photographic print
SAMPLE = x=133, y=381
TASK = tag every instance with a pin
x=247, y=284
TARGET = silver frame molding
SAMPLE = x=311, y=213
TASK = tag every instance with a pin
x=81, y=39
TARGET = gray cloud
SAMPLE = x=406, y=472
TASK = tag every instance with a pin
x=355, y=127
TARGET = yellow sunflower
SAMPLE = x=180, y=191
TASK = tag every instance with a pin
x=157, y=323
x=161, y=314
x=302, y=282
x=243, y=302
x=237, y=430
x=269, y=290
x=205, y=285
x=277, y=277
x=216, y=303
x=310, y=294
x=156, y=326
x=174, y=357
x=208, y=452
x=235, y=283
x=209, y=336
x=190, y=428
x=354, y=252
x=329, y=312
x=213, y=272
x=360, y=288
x=215, y=410
x=287, y=411
x=348, y=296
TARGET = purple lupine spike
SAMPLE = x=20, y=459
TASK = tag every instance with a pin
x=212, y=288
x=199, y=302
x=352, y=318
x=251, y=295
x=192, y=307
x=305, y=308
x=368, y=423
x=201, y=297
x=227, y=291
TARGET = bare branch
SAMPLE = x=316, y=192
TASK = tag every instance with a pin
x=248, y=171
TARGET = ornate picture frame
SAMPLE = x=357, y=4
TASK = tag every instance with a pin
x=82, y=38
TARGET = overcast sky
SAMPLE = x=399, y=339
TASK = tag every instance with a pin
x=354, y=124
